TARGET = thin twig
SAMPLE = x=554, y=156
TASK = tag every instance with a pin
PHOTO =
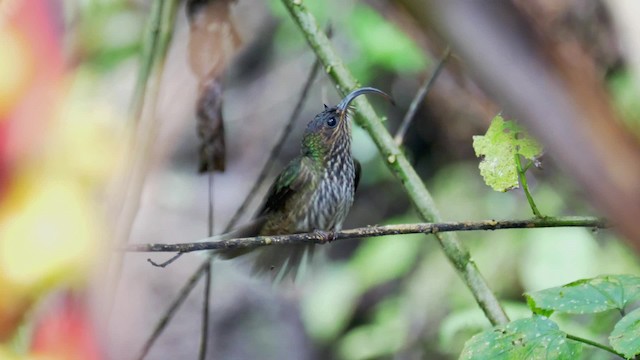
x=147, y=59
x=419, y=98
x=319, y=237
x=165, y=263
x=595, y=344
x=210, y=201
x=184, y=292
x=396, y=161
x=173, y=308
x=204, y=332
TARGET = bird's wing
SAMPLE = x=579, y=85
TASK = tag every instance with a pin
x=356, y=179
x=287, y=184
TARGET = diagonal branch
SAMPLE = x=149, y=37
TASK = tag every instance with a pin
x=419, y=98
x=319, y=237
x=397, y=163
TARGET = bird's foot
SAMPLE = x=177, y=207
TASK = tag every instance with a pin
x=326, y=236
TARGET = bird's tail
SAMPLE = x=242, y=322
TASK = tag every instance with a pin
x=281, y=261
x=277, y=262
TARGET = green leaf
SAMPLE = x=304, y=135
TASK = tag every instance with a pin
x=532, y=338
x=625, y=93
x=625, y=337
x=601, y=293
x=460, y=325
x=498, y=147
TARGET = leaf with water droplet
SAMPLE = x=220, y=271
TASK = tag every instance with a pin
x=498, y=148
x=532, y=338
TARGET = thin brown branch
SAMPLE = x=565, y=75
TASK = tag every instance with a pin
x=204, y=332
x=320, y=237
x=419, y=98
x=166, y=262
x=173, y=308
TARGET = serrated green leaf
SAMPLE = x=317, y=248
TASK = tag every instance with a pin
x=588, y=295
x=498, y=147
x=532, y=338
x=625, y=337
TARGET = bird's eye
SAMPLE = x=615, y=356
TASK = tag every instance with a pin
x=332, y=122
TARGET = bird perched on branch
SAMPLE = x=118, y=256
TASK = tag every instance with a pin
x=313, y=193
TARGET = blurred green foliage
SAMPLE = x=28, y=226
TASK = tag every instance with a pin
x=625, y=93
x=374, y=43
x=381, y=46
x=109, y=32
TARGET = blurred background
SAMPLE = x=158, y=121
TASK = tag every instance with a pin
x=94, y=155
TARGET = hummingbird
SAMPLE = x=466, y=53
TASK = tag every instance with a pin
x=314, y=192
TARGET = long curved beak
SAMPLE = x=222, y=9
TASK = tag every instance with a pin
x=344, y=104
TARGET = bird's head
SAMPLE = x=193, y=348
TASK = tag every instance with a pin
x=330, y=130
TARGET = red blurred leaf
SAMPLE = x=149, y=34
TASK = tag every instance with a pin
x=66, y=332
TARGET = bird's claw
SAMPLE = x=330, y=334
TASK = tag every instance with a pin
x=326, y=236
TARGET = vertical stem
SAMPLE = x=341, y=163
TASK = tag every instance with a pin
x=525, y=186
x=204, y=334
x=147, y=58
x=204, y=331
